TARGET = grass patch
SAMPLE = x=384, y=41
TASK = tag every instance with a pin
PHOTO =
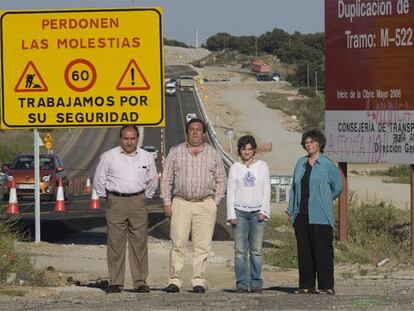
x=309, y=111
x=16, y=267
x=399, y=174
x=12, y=292
x=280, y=102
x=377, y=230
x=285, y=256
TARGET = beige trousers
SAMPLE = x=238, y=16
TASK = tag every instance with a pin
x=127, y=220
x=198, y=218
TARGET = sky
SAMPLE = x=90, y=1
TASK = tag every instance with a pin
x=182, y=18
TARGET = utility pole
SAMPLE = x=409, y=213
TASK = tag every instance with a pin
x=255, y=47
x=316, y=82
x=196, y=45
x=307, y=73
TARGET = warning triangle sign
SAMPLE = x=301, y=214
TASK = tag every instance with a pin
x=30, y=80
x=132, y=78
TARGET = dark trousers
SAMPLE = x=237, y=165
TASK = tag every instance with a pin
x=315, y=253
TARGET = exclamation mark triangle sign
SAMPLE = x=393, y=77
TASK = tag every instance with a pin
x=132, y=78
x=30, y=80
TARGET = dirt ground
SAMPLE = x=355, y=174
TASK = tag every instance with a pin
x=80, y=271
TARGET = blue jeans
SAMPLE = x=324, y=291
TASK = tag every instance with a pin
x=248, y=235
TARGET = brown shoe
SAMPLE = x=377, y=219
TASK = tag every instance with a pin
x=144, y=288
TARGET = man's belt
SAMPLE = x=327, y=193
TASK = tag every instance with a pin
x=193, y=200
x=119, y=194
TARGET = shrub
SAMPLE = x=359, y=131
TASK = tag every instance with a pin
x=307, y=92
x=376, y=230
x=13, y=261
x=312, y=114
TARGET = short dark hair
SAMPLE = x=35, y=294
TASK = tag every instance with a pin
x=244, y=141
x=316, y=135
x=195, y=120
x=129, y=126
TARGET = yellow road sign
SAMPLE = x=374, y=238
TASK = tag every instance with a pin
x=48, y=145
x=82, y=68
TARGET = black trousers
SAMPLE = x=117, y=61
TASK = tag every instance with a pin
x=315, y=253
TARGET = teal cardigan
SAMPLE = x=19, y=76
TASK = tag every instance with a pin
x=325, y=185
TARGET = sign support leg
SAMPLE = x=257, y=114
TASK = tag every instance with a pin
x=37, y=186
x=343, y=204
x=412, y=207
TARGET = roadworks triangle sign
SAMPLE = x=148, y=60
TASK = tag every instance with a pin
x=30, y=80
x=132, y=78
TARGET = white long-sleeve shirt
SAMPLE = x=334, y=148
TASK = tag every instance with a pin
x=248, y=189
x=123, y=173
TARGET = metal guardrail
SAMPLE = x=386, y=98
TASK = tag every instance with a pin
x=211, y=132
x=281, y=184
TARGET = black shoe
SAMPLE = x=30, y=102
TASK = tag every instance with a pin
x=305, y=291
x=329, y=291
x=256, y=290
x=172, y=288
x=144, y=288
x=241, y=290
x=199, y=289
x=113, y=289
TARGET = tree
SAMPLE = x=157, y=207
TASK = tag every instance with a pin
x=271, y=41
x=220, y=41
x=174, y=43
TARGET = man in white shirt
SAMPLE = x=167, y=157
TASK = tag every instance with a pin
x=125, y=176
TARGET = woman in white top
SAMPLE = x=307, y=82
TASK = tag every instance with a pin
x=248, y=206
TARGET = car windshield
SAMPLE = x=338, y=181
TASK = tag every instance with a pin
x=24, y=163
x=46, y=163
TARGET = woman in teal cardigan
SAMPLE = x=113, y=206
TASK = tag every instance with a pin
x=316, y=183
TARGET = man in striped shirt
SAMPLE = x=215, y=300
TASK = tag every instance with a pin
x=192, y=185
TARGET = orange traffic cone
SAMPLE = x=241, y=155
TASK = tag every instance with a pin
x=88, y=188
x=13, y=208
x=60, y=198
x=94, y=204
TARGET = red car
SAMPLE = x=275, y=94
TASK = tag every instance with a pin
x=22, y=171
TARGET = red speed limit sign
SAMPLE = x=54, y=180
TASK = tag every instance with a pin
x=80, y=75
